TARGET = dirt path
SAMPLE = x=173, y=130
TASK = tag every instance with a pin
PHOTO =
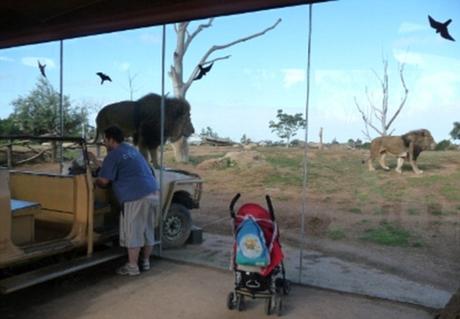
x=176, y=290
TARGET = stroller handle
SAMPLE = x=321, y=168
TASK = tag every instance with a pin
x=270, y=207
x=232, y=205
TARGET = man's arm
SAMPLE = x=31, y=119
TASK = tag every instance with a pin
x=101, y=182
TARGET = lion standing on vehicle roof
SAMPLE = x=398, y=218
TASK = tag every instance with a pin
x=141, y=120
x=408, y=146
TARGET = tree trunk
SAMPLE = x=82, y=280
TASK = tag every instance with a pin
x=180, y=148
x=184, y=38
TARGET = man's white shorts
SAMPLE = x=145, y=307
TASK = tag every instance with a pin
x=137, y=222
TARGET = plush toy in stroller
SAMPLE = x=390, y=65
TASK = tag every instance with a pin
x=257, y=258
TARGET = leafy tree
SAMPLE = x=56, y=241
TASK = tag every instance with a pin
x=7, y=127
x=245, y=139
x=455, y=133
x=287, y=125
x=209, y=132
x=38, y=113
x=444, y=145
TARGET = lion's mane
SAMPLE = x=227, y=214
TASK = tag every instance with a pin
x=141, y=119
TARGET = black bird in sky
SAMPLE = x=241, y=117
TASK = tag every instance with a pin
x=203, y=71
x=441, y=28
x=42, y=68
x=104, y=77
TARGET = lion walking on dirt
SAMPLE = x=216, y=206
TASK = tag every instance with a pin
x=405, y=147
x=141, y=120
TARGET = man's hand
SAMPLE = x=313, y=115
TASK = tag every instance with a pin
x=94, y=159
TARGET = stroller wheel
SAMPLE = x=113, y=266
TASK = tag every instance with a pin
x=240, y=302
x=279, y=283
x=268, y=306
x=279, y=307
x=287, y=287
x=230, y=298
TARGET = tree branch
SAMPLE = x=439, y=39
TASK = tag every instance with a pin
x=367, y=119
x=224, y=46
x=406, y=92
x=200, y=28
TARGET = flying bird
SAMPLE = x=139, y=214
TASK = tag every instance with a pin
x=42, y=68
x=203, y=71
x=104, y=77
x=441, y=28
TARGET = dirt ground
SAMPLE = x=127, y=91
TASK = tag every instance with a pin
x=436, y=263
x=177, y=290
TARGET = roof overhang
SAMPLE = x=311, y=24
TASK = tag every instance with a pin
x=34, y=21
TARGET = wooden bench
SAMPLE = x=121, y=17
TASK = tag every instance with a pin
x=57, y=196
x=23, y=221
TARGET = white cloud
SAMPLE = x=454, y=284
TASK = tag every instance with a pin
x=7, y=59
x=33, y=62
x=259, y=77
x=407, y=27
x=427, y=62
x=124, y=66
x=151, y=38
x=293, y=76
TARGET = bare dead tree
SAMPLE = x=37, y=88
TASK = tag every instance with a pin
x=184, y=39
x=381, y=113
x=131, y=89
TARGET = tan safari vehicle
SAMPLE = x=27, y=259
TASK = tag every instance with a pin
x=51, y=214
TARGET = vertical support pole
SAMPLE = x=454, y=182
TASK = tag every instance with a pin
x=307, y=104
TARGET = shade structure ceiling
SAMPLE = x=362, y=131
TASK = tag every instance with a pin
x=35, y=21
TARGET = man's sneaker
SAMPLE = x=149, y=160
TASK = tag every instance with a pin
x=128, y=270
x=145, y=264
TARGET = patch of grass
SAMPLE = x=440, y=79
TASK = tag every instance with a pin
x=228, y=163
x=450, y=192
x=378, y=212
x=70, y=154
x=285, y=162
x=438, y=212
x=417, y=244
x=281, y=198
x=338, y=234
x=284, y=178
x=387, y=234
x=413, y=211
x=360, y=196
x=198, y=159
x=329, y=190
x=355, y=210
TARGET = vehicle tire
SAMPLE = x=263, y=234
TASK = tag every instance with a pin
x=230, y=298
x=176, y=226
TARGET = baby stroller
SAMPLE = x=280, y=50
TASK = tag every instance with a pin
x=257, y=258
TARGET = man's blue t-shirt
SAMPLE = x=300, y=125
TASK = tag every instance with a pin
x=129, y=173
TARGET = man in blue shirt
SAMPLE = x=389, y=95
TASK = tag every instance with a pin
x=137, y=191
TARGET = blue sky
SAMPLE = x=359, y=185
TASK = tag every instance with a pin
x=242, y=94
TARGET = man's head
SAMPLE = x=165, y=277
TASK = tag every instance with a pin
x=113, y=136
